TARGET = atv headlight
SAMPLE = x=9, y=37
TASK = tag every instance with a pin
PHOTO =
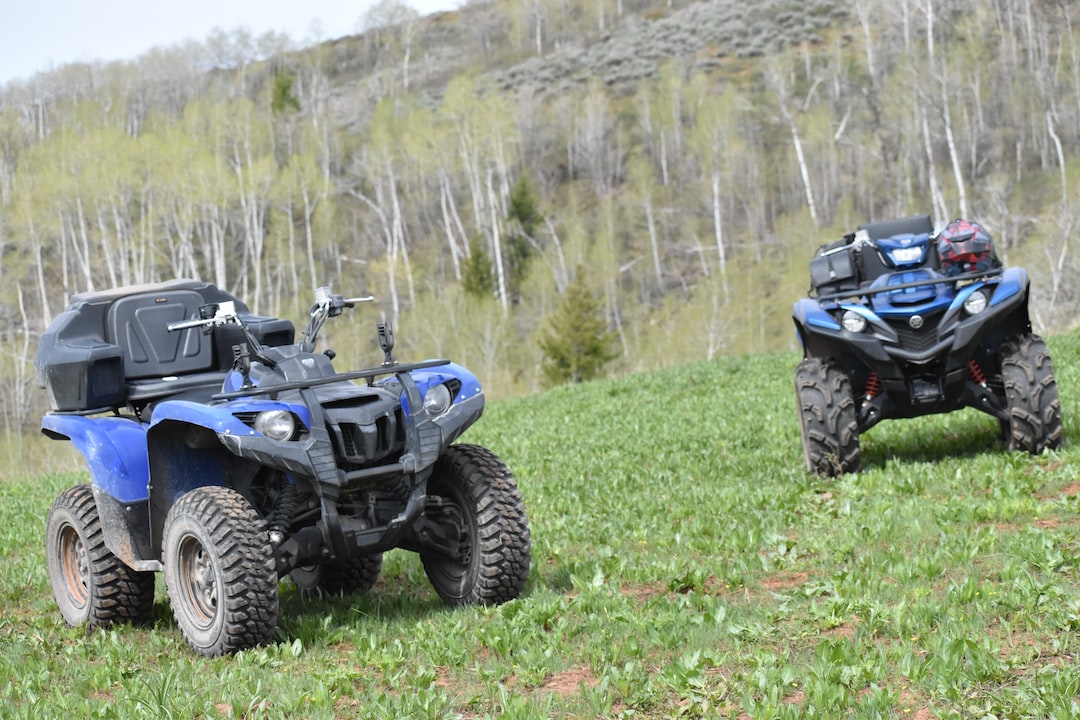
x=853, y=321
x=276, y=424
x=975, y=303
x=437, y=400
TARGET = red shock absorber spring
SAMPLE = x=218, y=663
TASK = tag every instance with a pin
x=976, y=372
x=873, y=386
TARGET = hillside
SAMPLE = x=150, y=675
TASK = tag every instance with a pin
x=684, y=565
x=683, y=158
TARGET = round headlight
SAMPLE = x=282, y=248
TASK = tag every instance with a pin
x=276, y=424
x=437, y=400
x=853, y=321
x=975, y=303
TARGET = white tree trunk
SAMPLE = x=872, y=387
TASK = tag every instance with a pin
x=653, y=242
x=448, y=224
x=940, y=209
x=496, y=245
x=718, y=230
x=804, y=171
x=1061, y=159
x=954, y=158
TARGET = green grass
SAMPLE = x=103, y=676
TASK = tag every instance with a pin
x=684, y=565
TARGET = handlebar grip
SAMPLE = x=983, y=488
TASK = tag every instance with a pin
x=185, y=324
x=352, y=301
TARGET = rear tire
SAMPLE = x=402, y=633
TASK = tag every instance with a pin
x=483, y=500
x=91, y=585
x=827, y=421
x=347, y=577
x=220, y=573
x=1032, y=395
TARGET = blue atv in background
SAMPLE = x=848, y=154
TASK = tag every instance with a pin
x=902, y=321
x=227, y=456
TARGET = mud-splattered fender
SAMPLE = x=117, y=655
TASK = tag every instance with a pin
x=114, y=448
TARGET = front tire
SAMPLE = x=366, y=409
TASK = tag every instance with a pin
x=1032, y=395
x=827, y=421
x=91, y=585
x=219, y=571
x=482, y=499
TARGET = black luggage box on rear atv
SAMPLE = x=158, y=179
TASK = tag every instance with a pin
x=833, y=270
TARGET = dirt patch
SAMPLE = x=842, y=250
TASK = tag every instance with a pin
x=840, y=631
x=644, y=593
x=795, y=698
x=785, y=581
x=911, y=705
x=1048, y=493
x=569, y=682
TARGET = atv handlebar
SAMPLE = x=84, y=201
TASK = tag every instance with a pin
x=325, y=298
x=223, y=313
x=327, y=305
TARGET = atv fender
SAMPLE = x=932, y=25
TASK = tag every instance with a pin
x=467, y=407
x=186, y=447
x=1007, y=311
x=1014, y=281
x=814, y=327
x=114, y=448
x=470, y=386
x=115, y=452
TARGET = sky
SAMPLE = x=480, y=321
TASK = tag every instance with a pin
x=39, y=35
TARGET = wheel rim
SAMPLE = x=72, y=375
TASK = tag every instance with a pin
x=75, y=565
x=198, y=581
x=455, y=572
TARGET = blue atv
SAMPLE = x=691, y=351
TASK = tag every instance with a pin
x=902, y=321
x=227, y=456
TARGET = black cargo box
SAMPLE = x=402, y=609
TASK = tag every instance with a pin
x=108, y=347
x=82, y=374
x=833, y=270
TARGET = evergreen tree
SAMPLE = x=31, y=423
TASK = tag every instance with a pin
x=577, y=343
x=283, y=100
x=476, y=275
x=522, y=222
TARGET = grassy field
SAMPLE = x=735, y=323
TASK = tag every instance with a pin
x=684, y=565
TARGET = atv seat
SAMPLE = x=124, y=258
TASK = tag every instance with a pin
x=904, y=226
x=157, y=362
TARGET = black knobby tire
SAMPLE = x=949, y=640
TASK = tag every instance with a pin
x=219, y=571
x=496, y=549
x=827, y=420
x=91, y=585
x=341, y=577
x=1032, y=395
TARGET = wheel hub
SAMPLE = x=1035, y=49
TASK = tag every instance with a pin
x=76, y=565
x=201, y=583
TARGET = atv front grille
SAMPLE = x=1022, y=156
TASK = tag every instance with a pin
x=916, y=340
x=360, y=441
x=372, y=440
